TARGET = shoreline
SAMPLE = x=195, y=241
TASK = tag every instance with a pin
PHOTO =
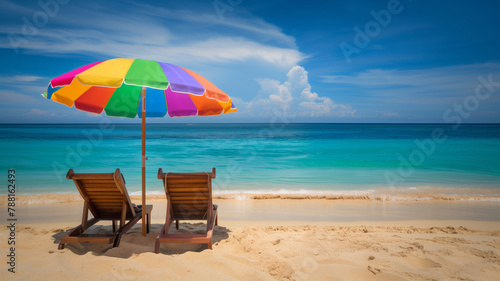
x=409, y=195
x=288, y=210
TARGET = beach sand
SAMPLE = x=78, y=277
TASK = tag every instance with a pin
x=269, y=239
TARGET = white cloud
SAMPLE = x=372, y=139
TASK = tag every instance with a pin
x=36, y=113
x=26, y=84
x=387, y=113
x=294, y=97
x=448, y=75
x=156, y=33
x=220, y=50
x=14, y=98
x=430, y=87
x=252, y=25
x=19, y=78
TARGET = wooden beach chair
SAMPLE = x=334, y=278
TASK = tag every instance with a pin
x=106, y=197
x=189, y=197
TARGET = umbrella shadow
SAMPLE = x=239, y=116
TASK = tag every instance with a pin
x=133, y=243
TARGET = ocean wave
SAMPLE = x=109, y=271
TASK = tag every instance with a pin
x=410, y=193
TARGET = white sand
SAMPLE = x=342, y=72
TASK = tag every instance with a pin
x=273, y=239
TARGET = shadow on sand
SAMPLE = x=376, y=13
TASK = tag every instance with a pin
x=133, y=243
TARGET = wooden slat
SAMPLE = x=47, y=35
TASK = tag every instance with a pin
x=106, y=197
x=104, y=193
x=108, y=210
x=92, y=176
x=190, y=191
x=102, y=207
x=193, y=218
x=198, y=200
x=189, y=206
x=106, y=202
x=171, y=180
x=195, y=196
x=187, y=180
x=189, y=210
x=194, y=200
x=101, y=189
x=94, y=198
x=184, y=238
x=101, y=181
x=107, y=205
x=174, y=183
x=190, y=194
x=186, y=189
x=186, y=174
x=112, y=216
x=89, y=238
x=190, y=214
x=189, y=203
x=98, y=185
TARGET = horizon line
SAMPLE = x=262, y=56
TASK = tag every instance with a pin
x=182, y=123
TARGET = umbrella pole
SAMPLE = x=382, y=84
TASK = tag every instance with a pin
x=143, y=161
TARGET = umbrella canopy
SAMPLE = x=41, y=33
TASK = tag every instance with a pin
x=114, y=86
x=119, y=88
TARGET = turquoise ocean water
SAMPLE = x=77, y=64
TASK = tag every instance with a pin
x=259, y=158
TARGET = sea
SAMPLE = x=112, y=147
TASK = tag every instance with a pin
x=267, y=158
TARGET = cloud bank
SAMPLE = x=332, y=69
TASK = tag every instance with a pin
x=294, y=97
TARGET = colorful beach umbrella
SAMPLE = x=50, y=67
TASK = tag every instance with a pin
x=119, y=87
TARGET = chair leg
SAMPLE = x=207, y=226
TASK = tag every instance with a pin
x=118, y=237
x=148, y=224
x=157, y=245
x=77, y=231
x=114, y=225
x=177, y=224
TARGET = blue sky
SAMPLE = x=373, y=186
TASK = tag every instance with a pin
x=294, y=61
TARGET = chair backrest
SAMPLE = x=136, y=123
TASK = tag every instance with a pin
x=106, y=194
x=189, y=194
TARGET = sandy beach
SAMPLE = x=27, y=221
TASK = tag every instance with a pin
x=270, y=239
